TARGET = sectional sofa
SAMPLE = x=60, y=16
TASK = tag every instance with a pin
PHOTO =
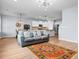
x=26, y=38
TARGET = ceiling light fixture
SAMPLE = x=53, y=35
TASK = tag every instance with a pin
x=15, y=0
x=44, y=3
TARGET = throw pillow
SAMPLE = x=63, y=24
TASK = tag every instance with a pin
x=27, y=34
x=31, y=34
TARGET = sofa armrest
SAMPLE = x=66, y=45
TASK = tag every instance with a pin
x=20, y=40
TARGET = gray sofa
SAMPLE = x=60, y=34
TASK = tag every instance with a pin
x=26, y=38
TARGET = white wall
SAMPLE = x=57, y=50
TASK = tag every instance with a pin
x=8, y=26
x=68, y=29
x=0, y=25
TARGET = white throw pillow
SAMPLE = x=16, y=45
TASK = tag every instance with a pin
x=27, y=34
x=38, y=33
x=45, y=32
x=34, y=33
x=20, y=33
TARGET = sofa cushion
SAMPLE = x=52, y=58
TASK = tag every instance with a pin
x=34, y=33
x=38, y=33
x=26, y=34
x=42, y=33
x=45, y=33
x=28, y=39
x=43, y=36
x=31, y=34
x=20, y=33
x=38, y=37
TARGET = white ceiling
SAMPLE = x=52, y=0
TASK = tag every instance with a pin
x=30, y=7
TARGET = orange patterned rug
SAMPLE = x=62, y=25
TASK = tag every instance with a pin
x=50, y=51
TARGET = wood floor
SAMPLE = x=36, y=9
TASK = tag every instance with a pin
x=9, y=49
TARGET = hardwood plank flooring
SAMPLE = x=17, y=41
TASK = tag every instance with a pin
x=9, y=49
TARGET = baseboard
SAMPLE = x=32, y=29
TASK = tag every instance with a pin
x=8, y=36
x=68, y=40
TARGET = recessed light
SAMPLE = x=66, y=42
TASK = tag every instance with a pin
x=15, y=0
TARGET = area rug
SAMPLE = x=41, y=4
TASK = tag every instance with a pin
x=50, y=51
